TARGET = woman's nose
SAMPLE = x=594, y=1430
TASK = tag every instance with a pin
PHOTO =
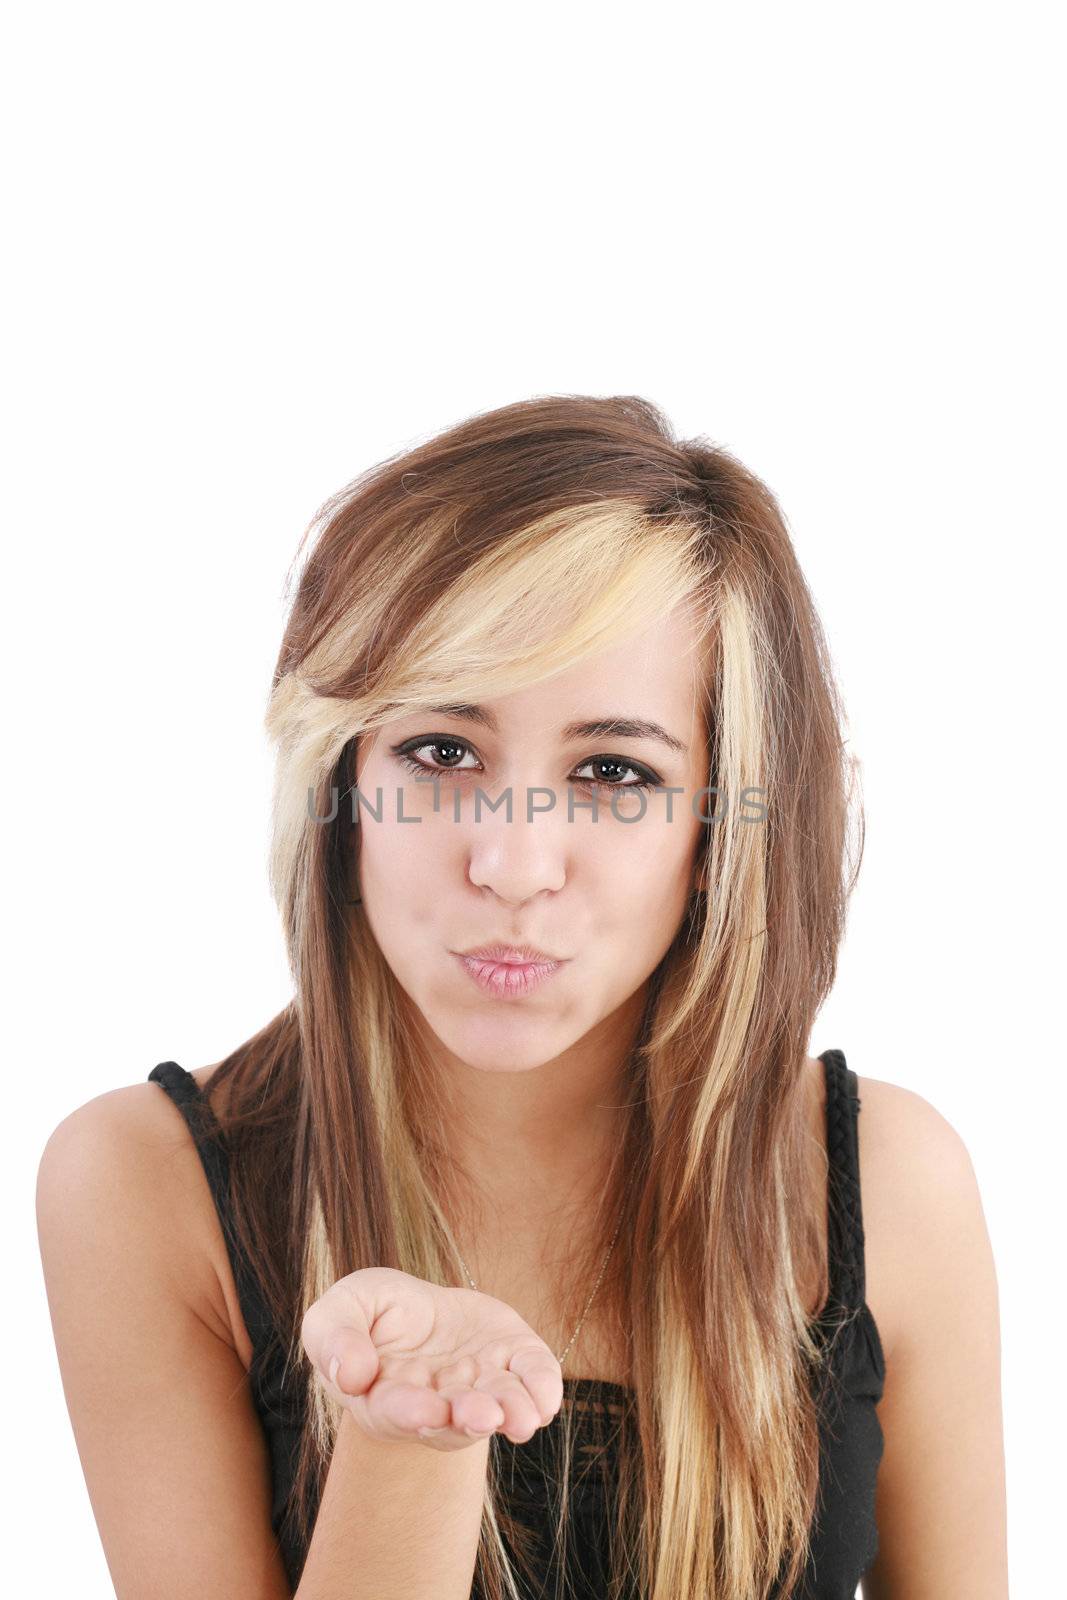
x=522, y=850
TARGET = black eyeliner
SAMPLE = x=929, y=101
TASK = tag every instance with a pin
x=404, y=751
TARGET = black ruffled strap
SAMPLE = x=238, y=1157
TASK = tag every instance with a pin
x=203, y=1125
x=844, y=1208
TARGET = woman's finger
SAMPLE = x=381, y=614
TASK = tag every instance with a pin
x=521, y=1414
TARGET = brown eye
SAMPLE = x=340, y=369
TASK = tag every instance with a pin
x=645, y=779
x=407, y=754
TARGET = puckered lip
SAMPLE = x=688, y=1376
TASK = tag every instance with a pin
x=511, y=954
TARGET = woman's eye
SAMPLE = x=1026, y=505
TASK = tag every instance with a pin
x=645, y=780
x=409, y=757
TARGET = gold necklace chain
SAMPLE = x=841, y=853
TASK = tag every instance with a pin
x=588, y=1303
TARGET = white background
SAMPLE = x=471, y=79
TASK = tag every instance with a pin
x=252, y=250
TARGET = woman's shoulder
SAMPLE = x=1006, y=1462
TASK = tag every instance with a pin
x=150, y=1376
x=917, y=1182
x=131, y=1148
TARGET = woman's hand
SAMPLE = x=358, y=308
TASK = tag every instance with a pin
x=417, y=1362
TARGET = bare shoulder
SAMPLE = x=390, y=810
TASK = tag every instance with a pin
x=175, y=1459
x=932, y=1288
x=920, y=1206
x=130, y=1148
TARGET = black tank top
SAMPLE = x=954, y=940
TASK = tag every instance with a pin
x=844, y=1534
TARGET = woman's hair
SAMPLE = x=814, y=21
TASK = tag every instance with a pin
x=487, y=559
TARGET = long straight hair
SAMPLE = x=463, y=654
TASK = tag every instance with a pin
x=479, y=562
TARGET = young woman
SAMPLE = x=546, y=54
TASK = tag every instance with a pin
x=525, y=1246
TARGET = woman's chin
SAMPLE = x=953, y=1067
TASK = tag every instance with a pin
x=507, y=1044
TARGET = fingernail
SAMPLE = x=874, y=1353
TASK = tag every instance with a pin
x=428, y=1433
x=335, y=1367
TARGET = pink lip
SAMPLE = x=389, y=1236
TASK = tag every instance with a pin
x=523, y=954
x=507, y=979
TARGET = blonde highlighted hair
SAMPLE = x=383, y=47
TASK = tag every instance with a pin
x=489, y=558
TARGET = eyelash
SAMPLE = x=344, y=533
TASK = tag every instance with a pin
x=406, y=754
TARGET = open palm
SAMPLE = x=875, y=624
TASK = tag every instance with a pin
x=404, y=1355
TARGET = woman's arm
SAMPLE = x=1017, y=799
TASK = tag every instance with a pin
x=175, y=1461
x=396, y=1522
x=174, y=1456
x=941, y=1508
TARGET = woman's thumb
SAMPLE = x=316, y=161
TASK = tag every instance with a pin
x=349, y=1361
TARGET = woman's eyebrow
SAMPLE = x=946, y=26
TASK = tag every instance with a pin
x=624, y=728
x=598, y=728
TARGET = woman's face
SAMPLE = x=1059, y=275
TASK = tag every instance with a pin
x=605, y=897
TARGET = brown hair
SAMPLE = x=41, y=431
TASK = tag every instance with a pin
x=574, y=518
